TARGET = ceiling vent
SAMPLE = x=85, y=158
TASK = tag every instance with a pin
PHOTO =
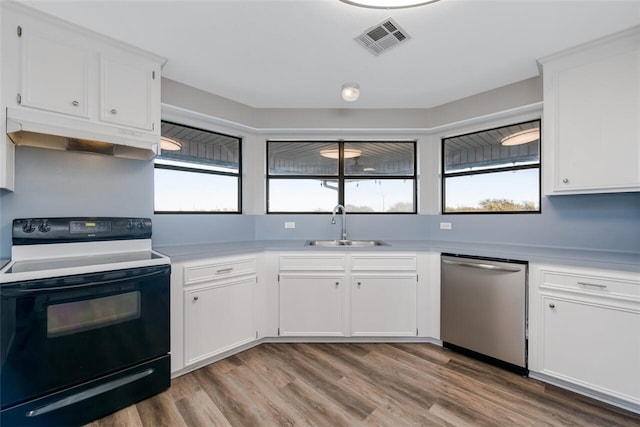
x=383, y=36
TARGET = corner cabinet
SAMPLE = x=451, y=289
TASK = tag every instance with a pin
x=585, y=331
x=219, y=307
x=591, y=113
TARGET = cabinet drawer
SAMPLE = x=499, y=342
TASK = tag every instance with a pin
x=388, y=262
x=219, y=270
x=591, y=283
x=314, y=263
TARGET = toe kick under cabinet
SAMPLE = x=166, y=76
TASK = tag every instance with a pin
x=585, y=331
x=342, y=295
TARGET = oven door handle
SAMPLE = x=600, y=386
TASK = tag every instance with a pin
x=12, y=292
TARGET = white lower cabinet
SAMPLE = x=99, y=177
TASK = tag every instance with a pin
x=218, y=318
x=311, y=305
x=383, y=305
x=348, y=295
x=585, y=330
x=218, y=307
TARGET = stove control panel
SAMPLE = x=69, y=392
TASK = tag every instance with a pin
x=27, y=231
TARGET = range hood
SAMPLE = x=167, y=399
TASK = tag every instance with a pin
x=58, y=132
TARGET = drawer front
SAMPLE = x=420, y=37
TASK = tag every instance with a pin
x=377, y=262
x=591, y=283
x=219, y=270
x=314, y=263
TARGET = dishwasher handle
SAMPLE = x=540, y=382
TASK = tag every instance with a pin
x=483, y=266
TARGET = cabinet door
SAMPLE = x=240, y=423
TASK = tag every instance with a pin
x=311, y=306
x=218, y=318
x=595, y=346
x=55, y=74
x=598, y=131
x=127, y=92
x=383, y=306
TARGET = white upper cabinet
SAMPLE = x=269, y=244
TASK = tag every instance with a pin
x=128, y=92
x=55, y=73
x=61, y=81
x=591, y=119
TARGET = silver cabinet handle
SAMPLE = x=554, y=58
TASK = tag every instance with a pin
x=224, y=270
x=595, y=285
x=75, y=103
x=565, y=180
x=552, y=305
x=482, y=266
x=114, y=111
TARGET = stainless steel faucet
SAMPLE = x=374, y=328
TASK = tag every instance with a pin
x=344, y=219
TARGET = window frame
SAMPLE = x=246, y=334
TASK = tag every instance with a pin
x=341, y=177
x=445, y=175
x=195, y=169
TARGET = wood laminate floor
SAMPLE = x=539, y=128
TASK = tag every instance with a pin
x=362, y=385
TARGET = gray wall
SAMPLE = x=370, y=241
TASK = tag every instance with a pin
x=53, y=183
x=607, y=222
x=56, y=183
x=515, y=95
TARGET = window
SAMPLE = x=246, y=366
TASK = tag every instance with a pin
x=492, y=171
x=364, y=176
x=199, y=173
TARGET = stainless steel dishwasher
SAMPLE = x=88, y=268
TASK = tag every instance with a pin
x=483, y=309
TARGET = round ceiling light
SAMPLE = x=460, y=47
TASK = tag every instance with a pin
x=332, y=153
x=169, y=144
x=387, y=4
x=522, y=137
x=350, y=91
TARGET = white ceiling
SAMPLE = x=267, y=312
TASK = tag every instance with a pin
x=298, y=53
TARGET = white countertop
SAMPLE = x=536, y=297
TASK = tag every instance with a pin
x=628, y=261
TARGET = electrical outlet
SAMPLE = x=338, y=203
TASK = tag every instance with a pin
x=289, y=224
x=445, y=226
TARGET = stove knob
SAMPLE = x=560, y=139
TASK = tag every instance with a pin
x=129, y=225
x=141, y=225
x=44, y=227
x=28, y=227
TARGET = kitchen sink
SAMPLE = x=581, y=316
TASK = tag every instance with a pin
x=346, y=243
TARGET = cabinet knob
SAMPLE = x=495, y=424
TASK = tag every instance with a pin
x=337, y=283
x=114, y=111
x=195, y=299
x=552, y=305
x=359, y=283
x=75, y=103
x=565, y=180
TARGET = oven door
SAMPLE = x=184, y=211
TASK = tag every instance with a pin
x=60, y=332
